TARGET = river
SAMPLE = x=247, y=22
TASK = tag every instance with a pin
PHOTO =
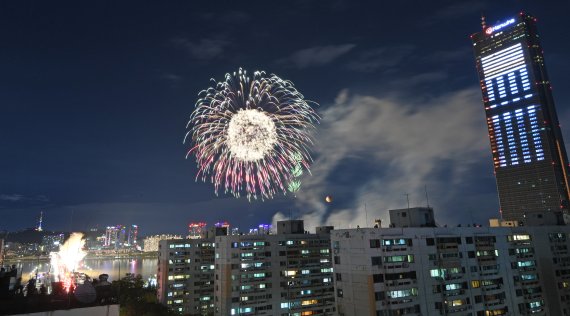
x=94, y=267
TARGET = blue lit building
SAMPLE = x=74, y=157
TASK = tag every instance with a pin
x=529, y=155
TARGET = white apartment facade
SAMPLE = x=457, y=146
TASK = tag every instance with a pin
x=452, y=271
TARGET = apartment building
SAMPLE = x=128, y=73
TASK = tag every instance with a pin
x=451, y=271
x=288, y=273
x=185, y=276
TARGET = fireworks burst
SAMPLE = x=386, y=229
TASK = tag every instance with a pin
x=251, y=135
x=66, y=261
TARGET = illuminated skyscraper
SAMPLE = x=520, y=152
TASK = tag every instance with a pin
x=115, y=236
x=133, y=233
x=528, y=152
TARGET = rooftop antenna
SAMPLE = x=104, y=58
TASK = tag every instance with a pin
x=407, y=199
x=366, y=211
x=427, y=196
x=483, y=22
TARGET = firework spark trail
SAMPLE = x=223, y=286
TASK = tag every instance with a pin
x=67, y=259
x=248, y=134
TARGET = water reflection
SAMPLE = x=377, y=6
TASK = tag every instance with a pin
x=93, y=267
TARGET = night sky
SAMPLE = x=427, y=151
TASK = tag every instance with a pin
x=95, y=97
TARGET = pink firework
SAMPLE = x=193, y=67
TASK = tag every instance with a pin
x=248, y=134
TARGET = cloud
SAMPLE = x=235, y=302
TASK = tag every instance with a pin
x=455, y=11
x=420, y=79
x=385, y=57
x=11, y=197
x=316, y=56
x=448, y=56
x=204, y=49
x=22, y=198
x=370, y=151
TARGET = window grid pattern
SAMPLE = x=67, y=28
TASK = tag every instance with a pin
x=517, y=137
x=506, y=76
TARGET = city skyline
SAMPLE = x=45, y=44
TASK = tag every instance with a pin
x=97, y=99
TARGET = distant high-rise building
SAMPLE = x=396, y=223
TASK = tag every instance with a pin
x=51, y=243
x=2, y=252
x=115, y=236
x=133, y=233
x=95, y=238
x=195, y=230
x=529, y=156
x=150, y=243
x=222, y=224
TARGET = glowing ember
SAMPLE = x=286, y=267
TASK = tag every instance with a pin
x=67, y=259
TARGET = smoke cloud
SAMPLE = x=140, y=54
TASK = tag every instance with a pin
x=390, y=147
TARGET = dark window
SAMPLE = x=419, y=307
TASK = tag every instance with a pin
x=378, y=278
x=404, y=214
x=339, y=293
x=430, y=241
x=376, y=261
x=336, y=260
x=379, y=296
x=374, y=243
x=338, y=277
x=468, y=240
x=437, y=288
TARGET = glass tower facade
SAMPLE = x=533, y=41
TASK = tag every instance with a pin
x=529, y=156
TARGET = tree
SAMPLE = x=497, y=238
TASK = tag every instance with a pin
x=137, y=300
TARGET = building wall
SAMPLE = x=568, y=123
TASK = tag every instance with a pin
x=412, y=217
x=460, y=271
x=282, y=274
x=185, y=276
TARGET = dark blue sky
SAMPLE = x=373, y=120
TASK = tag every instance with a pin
x=95, y=96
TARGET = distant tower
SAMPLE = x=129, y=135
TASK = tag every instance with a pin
x=40, y=220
